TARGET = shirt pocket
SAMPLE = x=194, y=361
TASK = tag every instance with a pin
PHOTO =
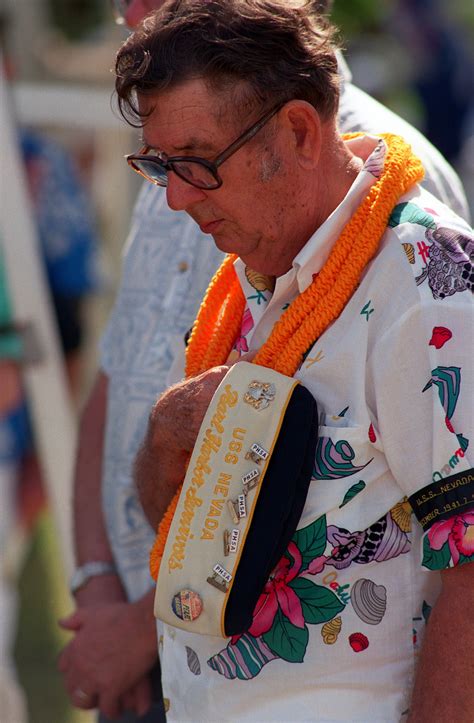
x=350, y=480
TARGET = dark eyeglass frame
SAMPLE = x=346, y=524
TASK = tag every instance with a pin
x=167, y=163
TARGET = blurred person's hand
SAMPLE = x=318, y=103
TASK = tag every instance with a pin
x=106, y=664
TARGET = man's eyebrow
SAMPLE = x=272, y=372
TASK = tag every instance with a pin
x=196, y=144
x=193, y=144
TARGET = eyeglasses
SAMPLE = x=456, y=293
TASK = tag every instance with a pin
x=196, y=171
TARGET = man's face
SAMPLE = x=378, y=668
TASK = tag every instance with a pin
x=137, y=9
x=255, y=212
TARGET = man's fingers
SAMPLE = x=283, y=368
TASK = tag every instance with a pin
x=72, y=622
x=143, y=697
x=128, y=700
x=63, y=661
x=247, y=357
x=64, y=658
x=110, y=706
x=81, y=698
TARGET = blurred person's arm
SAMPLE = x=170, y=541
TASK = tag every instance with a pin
x=444, y=685
x=10, y=386
x=105, y=623
x=90, y=534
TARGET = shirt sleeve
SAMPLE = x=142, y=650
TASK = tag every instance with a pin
x=358, y=111
x=421, y=369
x=148, y=208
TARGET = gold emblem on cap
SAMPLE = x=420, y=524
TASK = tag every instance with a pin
x=260, y=394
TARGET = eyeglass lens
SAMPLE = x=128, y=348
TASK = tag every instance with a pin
x=191, y=171
x=151, y=170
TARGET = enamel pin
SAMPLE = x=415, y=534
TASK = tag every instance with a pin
x=232, y=506
x=231, y=541
x=257, y=453
x=242, y=506
x=234, y=540
x=187, y=605
x=220, y=578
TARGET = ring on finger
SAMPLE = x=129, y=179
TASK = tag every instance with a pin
x=82, y=695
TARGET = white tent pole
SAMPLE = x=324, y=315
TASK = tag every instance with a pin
x=45, y=382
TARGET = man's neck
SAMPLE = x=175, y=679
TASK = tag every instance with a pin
x=337, y=170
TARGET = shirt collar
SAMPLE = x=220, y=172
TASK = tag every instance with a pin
x=314, y=254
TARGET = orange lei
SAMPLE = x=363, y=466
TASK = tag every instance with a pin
x=310, y=314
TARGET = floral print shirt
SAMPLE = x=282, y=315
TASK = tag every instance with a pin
x=337, y=628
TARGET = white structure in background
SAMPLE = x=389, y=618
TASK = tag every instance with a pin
x=62, y=107
x=45, y=381
x=55, y=425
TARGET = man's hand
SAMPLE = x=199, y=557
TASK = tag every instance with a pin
x=173, y=427
x=106, y=665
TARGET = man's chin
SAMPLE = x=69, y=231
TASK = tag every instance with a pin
x=224, y=244
x=250, y=258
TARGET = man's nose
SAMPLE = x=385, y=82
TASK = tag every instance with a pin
x=181, y=195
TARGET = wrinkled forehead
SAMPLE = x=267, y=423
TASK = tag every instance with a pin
x=215, y=106
x=187, y=116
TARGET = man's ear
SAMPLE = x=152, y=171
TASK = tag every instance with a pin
x=303, y=126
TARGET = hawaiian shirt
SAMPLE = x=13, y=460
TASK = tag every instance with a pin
x=337, y=628
x=168, y=263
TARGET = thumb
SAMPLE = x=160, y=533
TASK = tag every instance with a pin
x=72, y=622
x=248, y=356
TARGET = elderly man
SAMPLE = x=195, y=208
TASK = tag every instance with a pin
x=356, y=281
x=167, y=266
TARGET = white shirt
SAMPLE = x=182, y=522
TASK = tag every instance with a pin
x=343, y=618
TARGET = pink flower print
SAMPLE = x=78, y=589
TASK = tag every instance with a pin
x=277, y=594
x=458, y=532
x=317, y=565
x=247, y=325
x=376, y=161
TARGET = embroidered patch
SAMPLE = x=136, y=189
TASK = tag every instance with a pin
x=442, y=499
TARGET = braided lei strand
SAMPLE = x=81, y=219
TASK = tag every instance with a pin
x=311, y=313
